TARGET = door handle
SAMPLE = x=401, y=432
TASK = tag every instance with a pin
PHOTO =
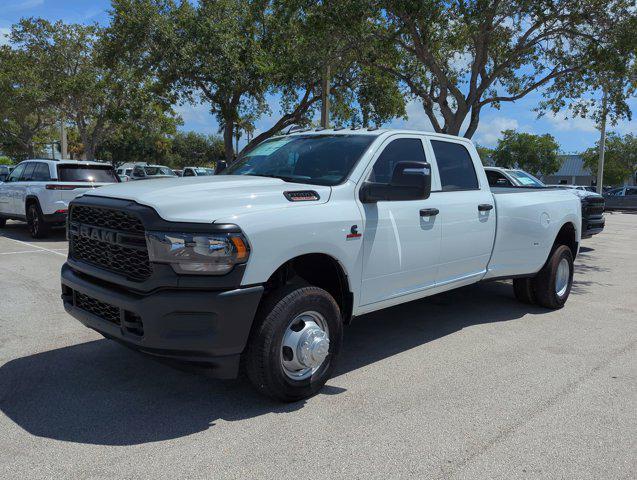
x=484, y=207
x=429, y=212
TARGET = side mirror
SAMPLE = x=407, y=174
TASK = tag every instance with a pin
x=221, y=166
x=410, y=181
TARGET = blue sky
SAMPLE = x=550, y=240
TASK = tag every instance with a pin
x=574, y=135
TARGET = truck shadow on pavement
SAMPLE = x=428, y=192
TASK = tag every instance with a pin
x=102, y=393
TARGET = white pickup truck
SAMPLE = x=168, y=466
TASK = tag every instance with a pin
x=261, y=266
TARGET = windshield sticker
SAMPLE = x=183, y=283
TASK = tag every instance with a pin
x=268, y=148
x=526, y=181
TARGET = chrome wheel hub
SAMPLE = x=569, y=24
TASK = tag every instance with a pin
x=305, y=345
x=562, y=277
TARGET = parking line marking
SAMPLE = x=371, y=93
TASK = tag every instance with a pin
x=34, y=246
x=22, y=251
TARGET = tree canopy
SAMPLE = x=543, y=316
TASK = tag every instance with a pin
x=620, y=160
x=458, y=57
x=536, y=154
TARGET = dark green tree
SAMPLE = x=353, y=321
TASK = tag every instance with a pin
x=195, y=149
x=537, y=154
x=27, y=105
x=620, y=161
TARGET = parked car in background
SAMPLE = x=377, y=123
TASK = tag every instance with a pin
x=593, y=206
x=5, y=170
x=198, y=171
x=145, y=172
x=509, y=177
x=179, y=173
x=39, y=191
x=622, y=198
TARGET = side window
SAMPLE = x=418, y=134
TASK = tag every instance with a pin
x=631, y=191
x=496, y=179
x=188, y=173
x=455, y=166
x=17, y=172
x=41, y=173
x=138, y=172
x=27, y=174
x=400, y=150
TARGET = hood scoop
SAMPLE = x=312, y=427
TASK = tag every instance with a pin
x=302, y=196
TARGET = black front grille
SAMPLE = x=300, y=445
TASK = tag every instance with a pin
x=131, y=323
x=103, y=310
x=594, y=207
x=107, y=218
x=130, y=260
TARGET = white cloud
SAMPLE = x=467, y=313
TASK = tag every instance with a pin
x=416, y=118
x=563, y=123
x=490, y=129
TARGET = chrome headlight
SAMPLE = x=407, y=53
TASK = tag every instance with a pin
x=198, y=253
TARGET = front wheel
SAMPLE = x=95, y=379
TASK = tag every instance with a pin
x=293, y=349
x=552, y=285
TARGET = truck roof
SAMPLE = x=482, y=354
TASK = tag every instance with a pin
x=377, y=132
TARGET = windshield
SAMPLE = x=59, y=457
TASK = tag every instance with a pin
x=202, y=171
x=153, y=171
x=87, y=173
x=525, y=179
x=313, y=159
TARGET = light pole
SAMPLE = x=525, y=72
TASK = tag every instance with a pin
x=602, y=147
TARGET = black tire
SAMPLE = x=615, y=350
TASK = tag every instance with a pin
x=544, y=283
x=263, y=356
x=523, y=289
x=38, y=228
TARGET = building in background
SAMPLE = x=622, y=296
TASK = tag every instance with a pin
x=572, y=172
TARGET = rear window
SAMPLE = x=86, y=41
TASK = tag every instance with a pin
x=87, y=173
x=455, y=166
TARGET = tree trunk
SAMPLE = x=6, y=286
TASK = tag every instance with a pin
x=228, y=138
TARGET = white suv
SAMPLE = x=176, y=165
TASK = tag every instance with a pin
x=39, y=191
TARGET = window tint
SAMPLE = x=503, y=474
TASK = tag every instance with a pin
x=400, y=150
x=138, y=172
x=15, y=175
x=84, y=173
x=41, y=173
x=631, y=191
x=496, y=179
x=455, y=166
x=27, y=175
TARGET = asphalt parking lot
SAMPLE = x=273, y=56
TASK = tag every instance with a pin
x=469, y=385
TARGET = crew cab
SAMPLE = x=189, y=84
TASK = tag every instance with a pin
x=261, y=266
x=39, y=191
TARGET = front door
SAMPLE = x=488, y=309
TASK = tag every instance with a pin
x=401, y=240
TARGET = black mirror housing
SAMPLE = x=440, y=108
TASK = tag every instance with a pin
x=410, y=181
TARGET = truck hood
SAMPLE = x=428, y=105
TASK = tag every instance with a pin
x=207, y=199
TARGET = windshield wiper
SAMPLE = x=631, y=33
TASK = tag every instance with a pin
x=269, y=175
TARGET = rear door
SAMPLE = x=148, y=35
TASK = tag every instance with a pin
x=467, y=212
x=401, y=244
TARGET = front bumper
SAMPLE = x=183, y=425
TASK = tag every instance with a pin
x=592, y=226
x=203, y=326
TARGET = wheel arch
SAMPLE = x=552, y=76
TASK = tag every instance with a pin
x=319, y=269
x=567, y=235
